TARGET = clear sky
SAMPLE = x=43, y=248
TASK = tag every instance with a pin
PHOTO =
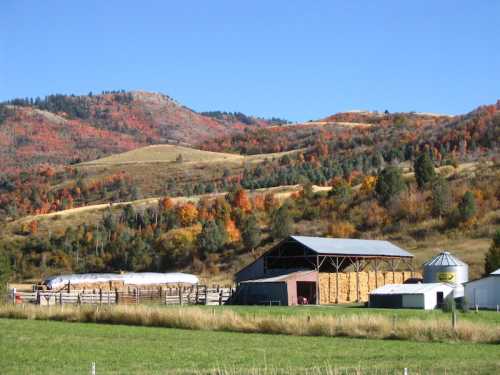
x=294, y=59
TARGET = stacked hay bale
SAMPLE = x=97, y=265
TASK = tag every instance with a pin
x=347, y=284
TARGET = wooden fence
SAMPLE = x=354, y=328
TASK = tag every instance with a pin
x=197, y=295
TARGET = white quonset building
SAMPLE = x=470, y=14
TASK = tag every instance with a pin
x=411, y=296
x=484, y=293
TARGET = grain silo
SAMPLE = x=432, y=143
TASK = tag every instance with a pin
x=445, y=268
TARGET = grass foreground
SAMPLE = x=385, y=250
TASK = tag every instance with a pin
x=371, y=326
x=57, y=348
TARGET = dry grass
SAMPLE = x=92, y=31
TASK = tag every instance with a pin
x=361, y=326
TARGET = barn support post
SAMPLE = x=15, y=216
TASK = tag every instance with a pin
x=357, y=279
x=317, y=282
x=375, y=267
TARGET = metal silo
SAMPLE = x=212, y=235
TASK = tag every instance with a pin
x=445, y=268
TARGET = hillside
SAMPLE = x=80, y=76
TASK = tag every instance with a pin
x=62, y=129
x=211, y=210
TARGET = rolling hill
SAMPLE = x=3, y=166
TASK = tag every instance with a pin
x=62, y=129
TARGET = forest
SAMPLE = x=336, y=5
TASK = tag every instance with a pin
x=209, y=235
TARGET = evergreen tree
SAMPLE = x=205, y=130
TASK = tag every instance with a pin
x=251, y=232
x=281, y=225
x=492, y=261
x=441, y=198
x=5, y=272
x=424, y=169
x=389, y=184
x=212, y=237
x=467, y=207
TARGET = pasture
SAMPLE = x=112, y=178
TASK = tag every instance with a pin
x=46, y=347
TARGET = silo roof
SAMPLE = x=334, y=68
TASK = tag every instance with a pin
x=444, y=259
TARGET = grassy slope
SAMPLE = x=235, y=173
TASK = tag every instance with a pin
x=163, y=153
x=26, y=349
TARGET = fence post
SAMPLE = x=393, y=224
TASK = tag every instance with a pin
x=454, y=318
x=206, y=294
x=220, y=297
x=116, y=296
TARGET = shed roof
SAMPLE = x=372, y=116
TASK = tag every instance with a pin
x=280, y=278
x=348, y=246
x=496, y=273
x=409, y=288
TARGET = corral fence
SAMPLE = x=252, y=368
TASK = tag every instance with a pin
x=178, y=295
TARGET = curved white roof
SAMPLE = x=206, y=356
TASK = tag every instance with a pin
x=132, y=278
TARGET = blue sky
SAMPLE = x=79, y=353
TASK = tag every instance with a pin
x=293, y=59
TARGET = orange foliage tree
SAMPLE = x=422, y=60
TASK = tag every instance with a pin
x=188, y=213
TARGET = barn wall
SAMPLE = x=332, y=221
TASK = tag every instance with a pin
x=292, y=285
x=414, y=301
x=483, y=292
x=368, y=281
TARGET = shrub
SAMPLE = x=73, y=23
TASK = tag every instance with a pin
x=341, y=229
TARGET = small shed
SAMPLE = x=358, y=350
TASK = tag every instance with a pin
x=410, y=296
x=285, y=290
x=484, y=293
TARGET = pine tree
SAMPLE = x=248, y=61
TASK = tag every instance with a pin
x=424, y=169
x=492, y=261
x=212, y=237
x=389, y=184
x=251, y=232
x=441, y=198
x=5, y=272
x=281, y=225
x=467, y=207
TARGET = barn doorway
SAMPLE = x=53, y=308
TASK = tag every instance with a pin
x=440, y=299
x=306, y=292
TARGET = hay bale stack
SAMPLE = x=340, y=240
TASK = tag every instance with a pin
x=368, y=281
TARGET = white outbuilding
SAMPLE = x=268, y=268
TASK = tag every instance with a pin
x=412, y=296
x=484, y=293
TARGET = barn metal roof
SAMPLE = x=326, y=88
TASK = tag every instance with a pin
x=409, y=288
x=444, y=259
x=348, y=246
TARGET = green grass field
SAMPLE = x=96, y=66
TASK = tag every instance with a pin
x=348, y=310
x=44, y=347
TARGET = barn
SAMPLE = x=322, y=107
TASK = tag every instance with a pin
x=484, y=293
x=322, y=270
x=411, y=296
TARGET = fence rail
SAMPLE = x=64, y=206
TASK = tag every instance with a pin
x=198, y=295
